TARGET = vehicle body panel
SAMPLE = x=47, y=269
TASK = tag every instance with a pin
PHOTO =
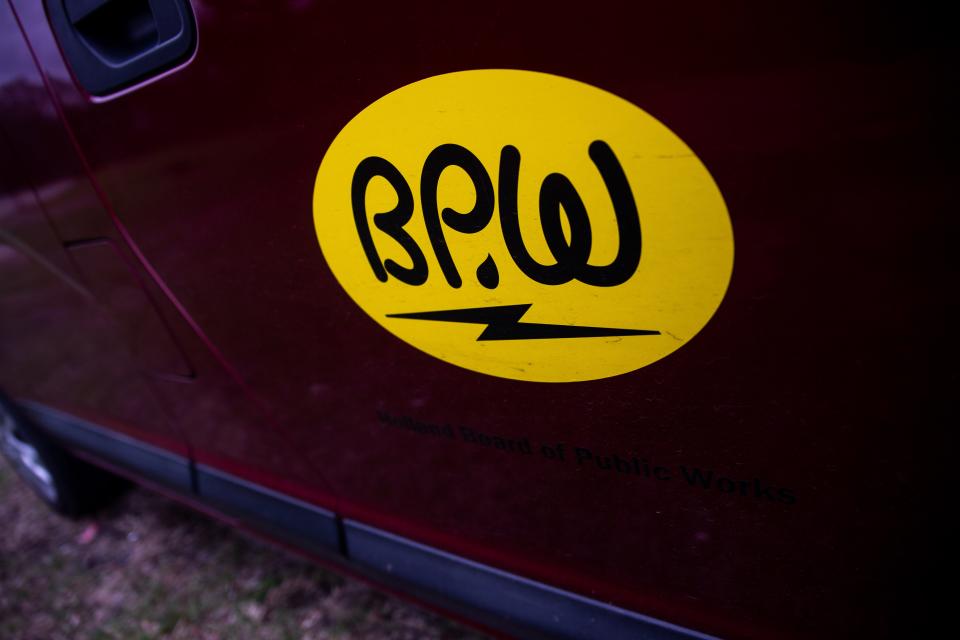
x=816, y=375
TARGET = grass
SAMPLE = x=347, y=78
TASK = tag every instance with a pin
x=148, y=568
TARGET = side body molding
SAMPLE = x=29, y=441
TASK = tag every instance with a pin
x=524, y=607
x=504, y=601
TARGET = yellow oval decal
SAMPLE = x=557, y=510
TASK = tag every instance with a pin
x=523, y=225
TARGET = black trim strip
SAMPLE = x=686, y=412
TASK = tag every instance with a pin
x=501, y=600
x=149, y=462
x=515, y=604
x=311, y=527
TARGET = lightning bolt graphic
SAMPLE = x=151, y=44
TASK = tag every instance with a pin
x=503, y=323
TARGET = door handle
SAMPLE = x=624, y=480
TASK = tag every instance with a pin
x=112, y=44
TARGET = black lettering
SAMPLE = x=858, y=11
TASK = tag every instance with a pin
x=604, y=462
x=787, y=496
x=726, y=485
x=642, y=467
x=453, y=155
x=582, y=455
x=622, y=465
x=695, y=476
x=760, y=490
x=558, y=193
x=624, y=265
x=390, y=222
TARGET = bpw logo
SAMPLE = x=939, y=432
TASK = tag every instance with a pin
x=523, y=225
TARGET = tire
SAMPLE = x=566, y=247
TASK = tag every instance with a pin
x=69, y=486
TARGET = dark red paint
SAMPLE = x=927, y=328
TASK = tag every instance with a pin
x=825, y=128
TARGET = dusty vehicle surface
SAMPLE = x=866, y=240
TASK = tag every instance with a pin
x=615, y=321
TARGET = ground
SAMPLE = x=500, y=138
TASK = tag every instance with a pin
x=150, y=568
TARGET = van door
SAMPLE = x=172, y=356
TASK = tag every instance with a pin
x=759, y=478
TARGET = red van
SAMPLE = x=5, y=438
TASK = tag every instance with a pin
x=616, y=320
